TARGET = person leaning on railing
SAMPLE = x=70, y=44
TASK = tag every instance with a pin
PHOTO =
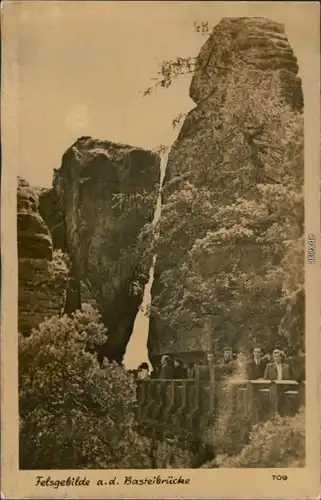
x=167, y=369
x=155, y=372
x=255, y=368
x=227, y=364
x=180, y=370
x=143, y=371
x=191, y=370
x=282, y=370
x=278, y=369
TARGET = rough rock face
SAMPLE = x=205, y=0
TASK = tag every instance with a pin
x=261, y=46
x=107, y=193
x=256, y=42
x=41, y=289
x=53, y=217
x=86, y=297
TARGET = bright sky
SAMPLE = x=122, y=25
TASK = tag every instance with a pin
x=82, y=66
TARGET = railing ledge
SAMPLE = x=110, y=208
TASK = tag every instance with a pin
x=286, y=382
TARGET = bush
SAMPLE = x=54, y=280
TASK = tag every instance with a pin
x=169, y=454
x=72, y=413
x=276, y=443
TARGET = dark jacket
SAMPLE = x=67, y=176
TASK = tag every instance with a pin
x=254, y=371
x=179, y=371
x=167, y=371
x=297, y=367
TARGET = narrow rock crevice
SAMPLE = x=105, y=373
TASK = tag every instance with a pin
x=137, y=347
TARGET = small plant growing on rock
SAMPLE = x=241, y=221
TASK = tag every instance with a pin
x=60, y=266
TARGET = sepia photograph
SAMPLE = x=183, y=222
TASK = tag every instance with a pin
x=166, y=230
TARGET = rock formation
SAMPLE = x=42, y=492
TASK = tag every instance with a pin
x=53, y=217
x=258, y=43
x=41, y=285
x=107, y=193
x=261, y=47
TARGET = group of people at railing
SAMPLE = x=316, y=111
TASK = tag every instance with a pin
x=170, y=368
x=274, y=366
x=270, y=366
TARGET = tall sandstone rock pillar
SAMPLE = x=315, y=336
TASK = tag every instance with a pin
x=261, y=48
x=107, y=192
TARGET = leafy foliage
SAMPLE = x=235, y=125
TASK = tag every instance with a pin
x=59, y=266
x=170, y=70
x=72, y=413
x=172, y=455
x=276, y=443
x=130, y=205
x=231, y=429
